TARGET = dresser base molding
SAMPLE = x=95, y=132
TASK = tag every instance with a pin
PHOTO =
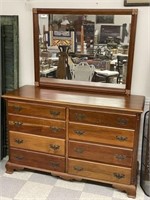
x=130, y=190
x=11, y=167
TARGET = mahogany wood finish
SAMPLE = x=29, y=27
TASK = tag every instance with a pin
x=75, y=135
x=80, y=85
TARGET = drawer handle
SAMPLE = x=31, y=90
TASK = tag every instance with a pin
x=79, y=150
x=79, y=132
x=122, y=121
x=53, y=164
x=121, y=138
x=17, y=124
x=18, y=141
x=55, y=129
x=80, y=116
x=78, y=168
x=54, y=146
x=19, y=157
x=17, y=108
x=120, y=157
x=55, y=113
x=119, y=176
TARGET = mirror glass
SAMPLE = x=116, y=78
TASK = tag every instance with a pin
x=88, y=49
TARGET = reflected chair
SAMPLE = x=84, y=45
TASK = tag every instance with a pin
x=83, y=71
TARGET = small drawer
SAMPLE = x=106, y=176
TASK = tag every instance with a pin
x=103, y=118
x=101, y=134
x=99, y=171
x=38, y=126
x=36, y=110
x=37, y=160
x=100, y=153
x=37, y=143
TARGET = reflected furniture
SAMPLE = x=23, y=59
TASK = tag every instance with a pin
x=82, y=71
x=77, y=129
x=80, y=30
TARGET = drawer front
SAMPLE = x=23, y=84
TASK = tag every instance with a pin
x=100, y=153
x=103, y=135
x=36, y=110
x=37, y=160
x=98, y=171
x=37, y=143
x=38, y=126
x=103, y=118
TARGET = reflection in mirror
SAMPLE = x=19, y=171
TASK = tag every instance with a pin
x=89, y=48
x=84, y=47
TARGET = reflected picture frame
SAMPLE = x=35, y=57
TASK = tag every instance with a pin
x=104, y=19
x=136, y=2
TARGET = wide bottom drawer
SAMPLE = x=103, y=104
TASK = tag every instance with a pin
x=37, y=160
x=98, y=171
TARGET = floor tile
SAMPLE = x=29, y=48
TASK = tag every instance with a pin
x=70, y=184
x=22, y=175
x=59, y=193
x=43, y=178
x=33, y=191
x=9, y=187
x=99, y=189
x=91, y=196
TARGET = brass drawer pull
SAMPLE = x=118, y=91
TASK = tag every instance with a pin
x=17, y=108
x=55, y=129
x=78, y=168
x=55, y=113
x=19, y=141
x=17, y=124
x=79, y=150
x=79, y=132
x=19, y=157
x=120, y=157
x=119, y=176
x=121, y=138
x=54, y=146
x=53, y=164
x=122, y=121
x=79, y=116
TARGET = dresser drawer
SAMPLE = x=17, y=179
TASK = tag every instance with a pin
x=37, y=143
x=38, y=126
x=98, y=171
x=37, y=160
x=101, y=134
x=36, y=110
x=100, y=153
x=103, y=118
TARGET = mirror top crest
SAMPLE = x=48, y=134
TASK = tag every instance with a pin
x=84, y=50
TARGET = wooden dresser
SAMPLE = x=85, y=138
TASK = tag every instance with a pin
x=75, y=135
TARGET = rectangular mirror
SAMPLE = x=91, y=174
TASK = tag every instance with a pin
x=84, y=50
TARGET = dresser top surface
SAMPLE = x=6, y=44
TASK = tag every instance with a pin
x=132, y=103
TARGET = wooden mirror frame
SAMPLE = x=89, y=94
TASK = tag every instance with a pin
x=79, y=85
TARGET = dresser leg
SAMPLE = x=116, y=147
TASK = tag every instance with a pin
x=11, y=167
x=129, y=189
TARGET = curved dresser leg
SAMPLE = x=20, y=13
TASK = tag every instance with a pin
x=11, y=167
x=129, y=189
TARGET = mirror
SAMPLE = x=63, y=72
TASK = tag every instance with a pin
x=84, y=50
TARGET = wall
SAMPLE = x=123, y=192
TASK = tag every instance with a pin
x=23, y=8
